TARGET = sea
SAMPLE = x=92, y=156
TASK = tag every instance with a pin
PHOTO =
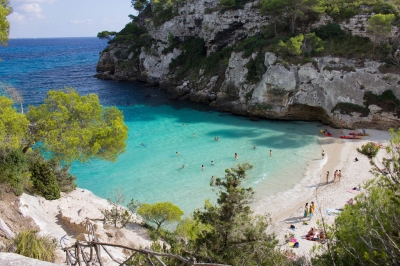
x=165, y=135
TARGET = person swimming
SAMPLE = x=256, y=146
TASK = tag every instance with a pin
x=177, y=153
x=212, y=162
x=183, y=166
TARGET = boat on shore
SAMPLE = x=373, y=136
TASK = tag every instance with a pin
x=327, y=133
x=351, y=137
x=358, y=134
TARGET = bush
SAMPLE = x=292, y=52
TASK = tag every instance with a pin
x=329, y=31
x=14, y=169
x=44, y=181
x=348, y=108
x=29, y=244
x=387, y=101
x=370, y=150
x=65, y=180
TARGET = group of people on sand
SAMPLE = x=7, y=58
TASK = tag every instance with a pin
x=337, y=174
x=309, y=210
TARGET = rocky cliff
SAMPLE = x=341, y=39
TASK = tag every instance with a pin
x=329, y=89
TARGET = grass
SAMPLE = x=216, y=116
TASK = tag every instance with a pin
x=29, y=244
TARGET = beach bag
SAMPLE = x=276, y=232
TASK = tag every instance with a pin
x=292, y=226
x=296, y=245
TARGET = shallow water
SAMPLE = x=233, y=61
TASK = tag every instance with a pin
x=153, y=172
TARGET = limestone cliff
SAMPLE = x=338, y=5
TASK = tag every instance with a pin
x=316, y=90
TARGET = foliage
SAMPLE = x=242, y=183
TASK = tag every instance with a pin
x=72, y=127
x=14, y=169
x=312, y=44
x=139, y=5
x=118, y=215
x=370, y=150
x=256, y=68
x=367, y=233
x=65, y=181
x=226, y=4
x=228, y=232
x=293, y=10
x=193, y=52
x=251, y=45
x=329, y=31
x=109, y=35
x=217, y=62
x=160, y=213
x=130, y=33
x=348, y=108
x=13, y=94
x=44, y=181
x=5, y=10
x=380, y=26
x=387, y=101
x=292, y=46
x=29, y=244
x=13, y=126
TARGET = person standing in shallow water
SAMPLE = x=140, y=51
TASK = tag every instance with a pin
x=270, y=153
x=236, y=156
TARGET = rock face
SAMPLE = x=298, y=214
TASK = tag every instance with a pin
x=12, y=259
x=290, y=92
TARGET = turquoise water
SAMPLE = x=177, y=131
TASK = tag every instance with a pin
x=153, y=172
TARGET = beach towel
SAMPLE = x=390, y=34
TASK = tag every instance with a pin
x=352, y=190
x=333, y=211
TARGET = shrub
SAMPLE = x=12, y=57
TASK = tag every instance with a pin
x=370, y=150
x=348, y=108
x=44, y=181
x=13, y=169
x=65, y=180
x=387, y=101
x=329, y=31
x=29, y=244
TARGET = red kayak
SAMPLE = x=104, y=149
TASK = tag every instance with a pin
x=350, y=137
x=358, y=134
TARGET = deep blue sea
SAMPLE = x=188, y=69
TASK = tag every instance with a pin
x=153, y=172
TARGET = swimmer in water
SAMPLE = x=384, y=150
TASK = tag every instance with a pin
x=212, y=162
x=194, y=135
x=202, y=167
x=177, y=153
x=236, y=156
x=183, y=166
x=142, y=144
x=255, y=147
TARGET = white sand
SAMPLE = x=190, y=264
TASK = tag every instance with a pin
x=341, y=154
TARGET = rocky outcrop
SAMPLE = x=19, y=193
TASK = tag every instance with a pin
x=12, y=259
x=307, y=92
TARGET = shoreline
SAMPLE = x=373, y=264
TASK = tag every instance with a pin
x=341, y=154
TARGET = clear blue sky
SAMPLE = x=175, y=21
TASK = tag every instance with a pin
x=67, y=18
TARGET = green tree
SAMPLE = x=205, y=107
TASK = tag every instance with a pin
x=139, y=5
x=380, y=27
x=292, y=9
x=109, y=35
x=160, y=213
x=71, y=127
x=292, y=46
x=44, y=181
x=5, y=10
x=228, y=232
x=14, y=170
x=13, y=126
x=312, y=44
x=226, y=4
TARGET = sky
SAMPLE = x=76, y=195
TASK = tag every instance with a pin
x=67, y=18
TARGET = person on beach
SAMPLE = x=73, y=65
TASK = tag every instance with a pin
x=356, y=159
x=339, y=174
x=270, y=153
x=236, y=156
x=323, y=154
x=306, y=210
x=327, y=176
x=312, y=209
x=335, y=175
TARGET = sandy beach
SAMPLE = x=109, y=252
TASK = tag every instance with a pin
x=334, y=195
